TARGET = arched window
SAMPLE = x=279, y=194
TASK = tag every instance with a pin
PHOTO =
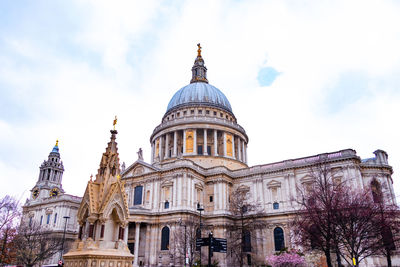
x=165, y=238
x=246, y=241
x=376, y=191
x=279, y=239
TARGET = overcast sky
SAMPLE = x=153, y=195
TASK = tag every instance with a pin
x=303, y=77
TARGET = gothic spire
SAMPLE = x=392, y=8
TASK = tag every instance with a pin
x=109, y=164
x=199, y=71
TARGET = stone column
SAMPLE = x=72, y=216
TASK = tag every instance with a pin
x=173, y=201
x=175, y=144
x=205, y=142
x=188, y=194
x=215, y=196
x=137, y=236
x=243, y=153
x=184, y=142
x=148, y=242
x=225, y=192
x=126, y=230
x=233, y=145
x=179, y=191
x=160, y=148
x=215, y=143
x=166, y=145
x=239, y=154
x=152, y=152
x=220, y=198
x=245, y=150
x=224, y=135
x=195, y=141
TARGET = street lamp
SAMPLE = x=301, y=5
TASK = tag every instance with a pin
x=184, y=225
x=65, y=228
x=200, y=208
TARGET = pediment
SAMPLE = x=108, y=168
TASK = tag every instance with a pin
x=307, y=179
x=138, y=168
x=273, y=184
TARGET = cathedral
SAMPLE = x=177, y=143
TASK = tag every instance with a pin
x=198, y=159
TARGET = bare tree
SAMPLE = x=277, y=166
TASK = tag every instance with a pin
x=247, y=218
x=34, y=245
x=185, y=240
x=7, y=245
x=9, y=216
x=314, y=225
x=389, y=231
x=356, y=225
x=334, y=218
x=9, y=211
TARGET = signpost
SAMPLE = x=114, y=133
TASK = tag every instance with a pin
x=213, y=244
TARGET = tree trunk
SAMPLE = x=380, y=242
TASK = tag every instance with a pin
x=328, y=259
x=388, y=258
x=338, y=259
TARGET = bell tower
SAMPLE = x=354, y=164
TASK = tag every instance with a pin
x=49, y=183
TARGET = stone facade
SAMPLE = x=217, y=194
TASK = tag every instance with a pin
x=199, y=156
x=49, y=204
x=131, y=216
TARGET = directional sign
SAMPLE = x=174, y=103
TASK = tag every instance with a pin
x=219, y=245
x=201, y=242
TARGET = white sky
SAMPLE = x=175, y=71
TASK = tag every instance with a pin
x=66, y=68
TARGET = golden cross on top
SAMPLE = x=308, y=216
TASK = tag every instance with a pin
x=199, y=50
x=115, y=122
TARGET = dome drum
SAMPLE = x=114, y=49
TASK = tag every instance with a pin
x=199, y=142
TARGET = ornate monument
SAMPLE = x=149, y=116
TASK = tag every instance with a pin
x=103, y=218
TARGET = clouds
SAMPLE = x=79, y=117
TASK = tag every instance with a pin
x=67, y=69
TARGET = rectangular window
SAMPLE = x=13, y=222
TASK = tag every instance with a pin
x=55, y=218
x=276, y=206
x=48, y=218
x=211, y=198
x=41, y=220
x=200, y=111
x=138, y=195
x=184, y=113
x=209, y=150
x=166, y=205
x=215, y=113
x=207, y=112
x=30, y=221
x=177, y=114
x=192, y=111
x=200, y=150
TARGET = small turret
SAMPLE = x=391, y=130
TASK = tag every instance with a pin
x=199, y=71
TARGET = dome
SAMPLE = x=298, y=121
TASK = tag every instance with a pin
x=199, y=93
